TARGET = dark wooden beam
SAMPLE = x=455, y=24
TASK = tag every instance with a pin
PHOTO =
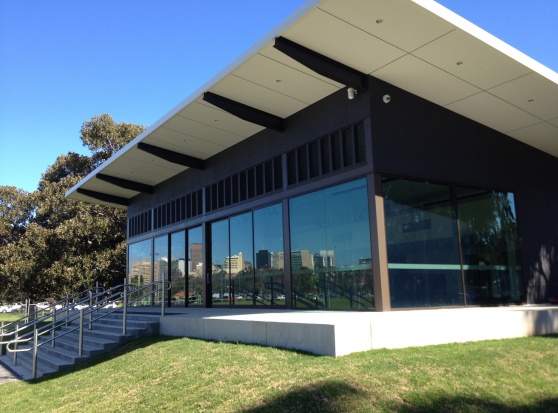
x=323, y=65
x=171, y=156
x=126, y=184
x=248, y=113
x=103, y=197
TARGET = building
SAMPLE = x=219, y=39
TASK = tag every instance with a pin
x=414, y=153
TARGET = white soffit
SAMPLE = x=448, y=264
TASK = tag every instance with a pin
x=417, y=45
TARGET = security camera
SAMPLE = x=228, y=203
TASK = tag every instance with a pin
x=386, y=98
x=351, y=92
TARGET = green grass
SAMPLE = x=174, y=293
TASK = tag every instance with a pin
x=187, y=375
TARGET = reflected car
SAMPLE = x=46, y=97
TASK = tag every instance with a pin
x=281, y=297
x=4, y=308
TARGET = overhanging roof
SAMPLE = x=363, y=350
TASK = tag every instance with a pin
x=417, y=45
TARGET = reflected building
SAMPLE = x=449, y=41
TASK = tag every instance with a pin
x=277, y=260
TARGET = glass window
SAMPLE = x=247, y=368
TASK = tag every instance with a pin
x=268, y=250
x=489, y=241
x=423, y=250
x=220, y=271
x=161, y=264
x=140, y=267
x=139, y=263
x=239, y=243
x=330, y=248
x=178, y=268
x=196, y=271
x=240, y=260
x=451, y=246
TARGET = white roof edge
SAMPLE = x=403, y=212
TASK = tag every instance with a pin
x=306, y=7
x=484, y=36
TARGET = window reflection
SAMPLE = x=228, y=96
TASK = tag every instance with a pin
x=240, y=259
x=195, y=266
x=427, y=267
x=490, y=247
x=268, y=246
x=330, y=248
x=423, y=249
x=247, y=259
x=140, y=267
x=178, y=268
x=220, y=278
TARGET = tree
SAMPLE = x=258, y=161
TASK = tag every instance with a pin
x=51, y=246
x=16, y=210
x=104, y=137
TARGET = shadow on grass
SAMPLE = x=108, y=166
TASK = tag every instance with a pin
x=334, y=396
x=448, y=404
x=329, y=396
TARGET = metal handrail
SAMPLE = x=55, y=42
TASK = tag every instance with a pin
x=127, y=291
x=70, y=300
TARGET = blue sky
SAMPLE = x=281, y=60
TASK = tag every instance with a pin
x=63, y=62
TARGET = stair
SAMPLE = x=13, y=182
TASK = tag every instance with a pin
x=105, y=336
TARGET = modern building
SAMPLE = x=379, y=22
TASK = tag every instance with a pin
x=408, y=151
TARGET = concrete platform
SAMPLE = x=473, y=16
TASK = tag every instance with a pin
x=335, y=334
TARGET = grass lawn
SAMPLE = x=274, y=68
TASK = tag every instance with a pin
x=187, y=375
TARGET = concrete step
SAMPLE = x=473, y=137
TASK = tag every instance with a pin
x=105, y=336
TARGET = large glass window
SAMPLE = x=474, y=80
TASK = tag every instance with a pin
x=450, y=246
x=247, y=259
x=490, y=247
x=330, y=248
x=423, y=248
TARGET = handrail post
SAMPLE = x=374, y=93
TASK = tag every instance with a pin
x=53, y=328
x=2, y=350
x=90, y=309
x=80, y=346
x=124, y=307
x=35, y=351
x=67, y=307
x=96, y=295
x=162, y=298
x=15, y=344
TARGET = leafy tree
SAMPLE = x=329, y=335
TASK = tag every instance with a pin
x=104, y=137
x=51, y=246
